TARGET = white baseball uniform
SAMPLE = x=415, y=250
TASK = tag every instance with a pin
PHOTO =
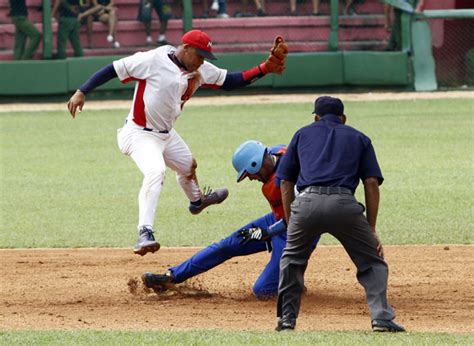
x=148, y=136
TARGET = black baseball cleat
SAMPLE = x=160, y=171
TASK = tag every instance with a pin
x=386, y=326
x=158, y=282
x=285, y=324
x=209, y=197
x=146, y=242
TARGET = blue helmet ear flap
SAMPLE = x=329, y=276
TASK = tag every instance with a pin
x=248, y=158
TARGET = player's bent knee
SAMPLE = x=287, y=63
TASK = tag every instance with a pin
x=154, y=177
x=264, y=294
x=264, y=290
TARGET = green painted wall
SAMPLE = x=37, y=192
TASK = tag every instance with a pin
x=33, y=77
x=376, y=68
x=302, y=70
x=312, y=69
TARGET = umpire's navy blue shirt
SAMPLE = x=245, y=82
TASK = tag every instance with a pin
x=329, y=153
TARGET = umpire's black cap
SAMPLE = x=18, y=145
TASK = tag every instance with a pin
x=328, y=105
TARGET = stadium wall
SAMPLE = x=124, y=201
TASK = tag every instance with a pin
x=342, y=68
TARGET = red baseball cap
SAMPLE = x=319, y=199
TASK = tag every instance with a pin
x=201, y=41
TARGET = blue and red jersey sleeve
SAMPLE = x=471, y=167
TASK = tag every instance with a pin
x=236, y=80
x=100, y=77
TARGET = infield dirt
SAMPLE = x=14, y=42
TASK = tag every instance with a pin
x=431, y=288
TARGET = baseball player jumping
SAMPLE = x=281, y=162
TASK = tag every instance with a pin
x=257, y=162
x=166, y=77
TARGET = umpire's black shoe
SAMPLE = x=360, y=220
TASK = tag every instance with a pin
x=158, y=282
x=146, y=242
x=286, y=324
x=386, y=326
x=209, y=197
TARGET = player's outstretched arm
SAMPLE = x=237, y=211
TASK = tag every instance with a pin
x=100, y=77
x=76, y=102
x=275, y=63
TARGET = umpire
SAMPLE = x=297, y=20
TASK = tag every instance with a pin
x=326, y=160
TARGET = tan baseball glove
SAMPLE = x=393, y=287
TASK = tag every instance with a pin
x=275, y=62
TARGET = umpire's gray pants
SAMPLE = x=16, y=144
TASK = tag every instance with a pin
x=342, y=216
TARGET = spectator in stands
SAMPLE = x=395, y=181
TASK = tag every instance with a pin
x=105, y=12
x=69, y=26
x=294, y=12
x=24, y=31
x=163, y=10
x=221, y=8
x=259, y=4
x=144, y=16
x=85, y=17
x=349, y=7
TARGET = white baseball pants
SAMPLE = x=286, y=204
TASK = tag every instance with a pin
x=152, y=152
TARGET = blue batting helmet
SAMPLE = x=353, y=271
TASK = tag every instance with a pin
x=248, y=158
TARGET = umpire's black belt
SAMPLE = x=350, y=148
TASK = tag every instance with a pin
x=328, y=190
x=151, y=130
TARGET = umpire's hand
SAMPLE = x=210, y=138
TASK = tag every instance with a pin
x=76, y=101
x=379, y=245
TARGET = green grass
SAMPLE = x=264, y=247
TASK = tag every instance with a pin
x=230, y=338
x=64, y=182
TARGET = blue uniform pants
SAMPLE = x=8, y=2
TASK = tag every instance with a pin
x=266, y=285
